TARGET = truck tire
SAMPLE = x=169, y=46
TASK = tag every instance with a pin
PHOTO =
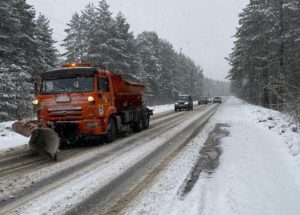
x=138, y=125
x=111, y=131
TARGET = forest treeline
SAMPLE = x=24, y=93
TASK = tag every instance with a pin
x=27, y=49
x=266, y=57
x=96, y=36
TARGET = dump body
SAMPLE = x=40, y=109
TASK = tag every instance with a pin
x=127, y=92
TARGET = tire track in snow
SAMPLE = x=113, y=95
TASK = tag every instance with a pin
x=208, y=160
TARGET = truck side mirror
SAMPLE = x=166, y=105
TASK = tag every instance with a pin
x=36, y=87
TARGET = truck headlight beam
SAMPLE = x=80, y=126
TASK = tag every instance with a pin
x=35, y=102
x=91, y=99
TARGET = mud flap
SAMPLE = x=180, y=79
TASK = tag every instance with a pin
x=43, y=140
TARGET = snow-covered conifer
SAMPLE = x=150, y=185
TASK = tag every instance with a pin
x=46, y=52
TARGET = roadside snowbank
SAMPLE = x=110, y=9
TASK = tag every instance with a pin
x=281, y=124
x=9, y=140
x=162, y=108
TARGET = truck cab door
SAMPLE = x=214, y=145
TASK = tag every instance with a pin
x=103, y=91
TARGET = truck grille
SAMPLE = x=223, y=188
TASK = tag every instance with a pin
x=65, y=108
x=65, y=111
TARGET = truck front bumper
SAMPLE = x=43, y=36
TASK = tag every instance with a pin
x=83, y=127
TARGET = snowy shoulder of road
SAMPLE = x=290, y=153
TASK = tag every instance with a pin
x=162, y=108
x=9, y=140
x=258, y=170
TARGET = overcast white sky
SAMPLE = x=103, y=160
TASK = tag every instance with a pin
x=202, y=28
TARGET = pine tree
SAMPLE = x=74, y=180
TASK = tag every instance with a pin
x=25, y=47
x=147, y=49
x=97, y=37
x=88, y=23
x=17, y=58
x=166, y=56
x=102, y=36
x=8, y=26
x=46, y=52
x=75, y=43
x=123, y=51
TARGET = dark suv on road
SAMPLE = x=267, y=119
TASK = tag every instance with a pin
x=203, y=100
x=183, y=102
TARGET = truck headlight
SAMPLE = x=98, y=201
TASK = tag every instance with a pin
x=91, y=99
x=186, y=103
x=35, y=102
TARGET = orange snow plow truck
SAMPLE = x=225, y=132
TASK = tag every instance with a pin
x=82, y=101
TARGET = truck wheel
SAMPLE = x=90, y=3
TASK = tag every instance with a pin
x=175, y=109
x=111, y=131
x=138, y=126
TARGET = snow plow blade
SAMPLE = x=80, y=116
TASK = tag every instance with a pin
x=43, y=140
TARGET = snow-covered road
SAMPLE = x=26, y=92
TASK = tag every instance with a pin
x=259, y=172
x=58, y=187
x=245, y=160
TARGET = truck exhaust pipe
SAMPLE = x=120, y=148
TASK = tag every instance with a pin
x=45, y=141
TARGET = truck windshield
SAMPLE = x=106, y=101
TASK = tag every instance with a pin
x=67, y=85
x=184, y=98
